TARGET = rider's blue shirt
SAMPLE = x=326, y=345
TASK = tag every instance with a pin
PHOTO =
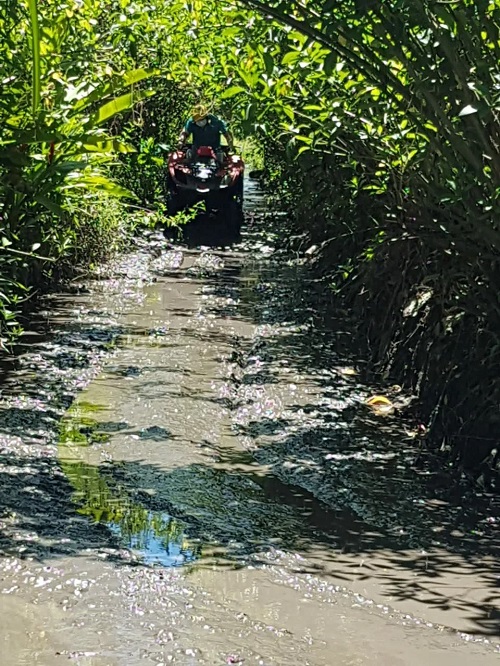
x=209, y=135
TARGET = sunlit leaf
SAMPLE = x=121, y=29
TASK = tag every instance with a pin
x=231, y=92
x=99, y=182
x=35, y=45
x=116, y=82
x=467, y=110
x=118, y=105
x=290, y=57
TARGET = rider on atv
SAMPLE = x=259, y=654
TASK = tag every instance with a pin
x=206, y=130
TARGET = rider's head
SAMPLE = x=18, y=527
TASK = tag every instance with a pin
x=200, y=115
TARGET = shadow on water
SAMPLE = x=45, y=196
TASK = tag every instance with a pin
x=368, y=463
x=375, y=456
x=230, y=510
x=206, y=231
x=231, y=505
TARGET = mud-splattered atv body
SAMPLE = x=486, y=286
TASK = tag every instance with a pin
x=203, y=178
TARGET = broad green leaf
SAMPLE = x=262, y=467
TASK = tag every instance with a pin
x=50, y=205
x=99, y=182
x=35, y=47
x=231, y=92
x=122, y=103
x=116, y=83
x=290, y=57
x=269, y=62
x=135, y=75
x=250, y=78
x=109, y=146
x=330, y=63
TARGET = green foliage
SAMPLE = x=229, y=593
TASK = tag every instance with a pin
x=377, y=124
x=252, y=153
x=36, y=62
x=152, y=129
x=56, y=154
x=381, y=129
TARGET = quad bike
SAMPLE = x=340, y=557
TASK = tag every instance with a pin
x=198, y=176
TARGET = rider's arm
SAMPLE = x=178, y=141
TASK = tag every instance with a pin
x=224, y=130
x=229, y=138
x=187, y=130
x=183, y=137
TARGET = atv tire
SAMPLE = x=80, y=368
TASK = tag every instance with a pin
x=238, y=192
x=174, y=204
x=233, y=215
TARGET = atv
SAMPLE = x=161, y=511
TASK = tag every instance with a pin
x=199, y=176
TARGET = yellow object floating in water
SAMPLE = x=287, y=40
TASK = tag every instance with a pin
x=349, y=372
x=378, y=400
x=380, y=404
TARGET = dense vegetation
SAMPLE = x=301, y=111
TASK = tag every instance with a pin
x=381, y=118
x=393, y=122
x=69, y=70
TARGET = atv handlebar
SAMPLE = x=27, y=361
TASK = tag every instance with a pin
x=187, y=146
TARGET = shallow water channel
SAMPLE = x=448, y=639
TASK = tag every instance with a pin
x=217, y=494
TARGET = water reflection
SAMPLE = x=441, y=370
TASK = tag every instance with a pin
x=156, y=537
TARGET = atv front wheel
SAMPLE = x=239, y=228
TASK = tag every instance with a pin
x=174, y=203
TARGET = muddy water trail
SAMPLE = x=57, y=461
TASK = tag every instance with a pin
x=213, y=497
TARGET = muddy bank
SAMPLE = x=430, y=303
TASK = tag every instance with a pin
x=173, y=514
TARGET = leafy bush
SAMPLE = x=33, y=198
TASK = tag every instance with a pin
x=379, y=129
x=55, y=151
x=381, y=119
